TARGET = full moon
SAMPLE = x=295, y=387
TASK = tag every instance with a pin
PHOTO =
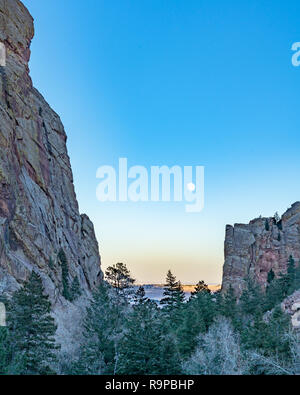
x=191, y=187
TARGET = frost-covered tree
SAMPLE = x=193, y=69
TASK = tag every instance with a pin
x=218, y=352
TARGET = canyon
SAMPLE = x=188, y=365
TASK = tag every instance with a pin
x=39, y=213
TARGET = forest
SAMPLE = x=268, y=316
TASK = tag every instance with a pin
x=125, y=333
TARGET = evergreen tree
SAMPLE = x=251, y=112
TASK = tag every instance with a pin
x=267, y=225
x=218, y=302
x=32, y=329
x=170, y=357
x=200, y=287
x=51, y=263
x=102, y=328
x=251, y=299
x=65, y=274
x=271, y=276
x=140, y=349
x=172, y=302
x=279, y=225
x=75, y=290
x=173, y=293
x=140, y=297
x=275, y=292
x=119, y=277
x=5, y=351
x=291, y=270
x=268, y=338
x=197, y=317
x=229, y=304
x=278, y=343
x=282, y=286
x=297, y=277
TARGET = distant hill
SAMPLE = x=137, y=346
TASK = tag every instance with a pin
x=155, y=291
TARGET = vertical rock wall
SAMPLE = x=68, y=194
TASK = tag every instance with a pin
x=38, y=208
x=252, y=250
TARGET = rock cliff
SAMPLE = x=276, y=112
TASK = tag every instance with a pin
x=291, y=306
x=39, y=212
x=253, y=250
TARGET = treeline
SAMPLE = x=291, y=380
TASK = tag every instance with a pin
x=124, y=332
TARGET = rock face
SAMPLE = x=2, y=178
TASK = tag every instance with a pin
x=39, y=212
x=253, y=250
x=291, y=305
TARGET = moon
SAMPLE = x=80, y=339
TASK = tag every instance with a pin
x=191, y=187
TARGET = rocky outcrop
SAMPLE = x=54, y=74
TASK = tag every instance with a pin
x=39, y=212
x=253, y=250
x=291, y=306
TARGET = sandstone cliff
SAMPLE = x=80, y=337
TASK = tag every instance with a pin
x=38, y=208
x=253, y=250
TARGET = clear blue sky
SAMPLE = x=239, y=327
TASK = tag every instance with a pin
x=175, y=82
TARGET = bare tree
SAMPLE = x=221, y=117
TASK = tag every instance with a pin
x=274, y=365
x=218, y=352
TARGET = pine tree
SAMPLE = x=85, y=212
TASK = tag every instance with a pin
x=291, y=270
x=119, y=277
x=275, y=292
x=297, y=277
x=5, y=351
x=200, y=287
x=140, y=349
x=32, y=329
x=278, y=344
x=279, y=225
x=251, y=299
x=140, y=297
x=172, y=302
x=170, y=357
x=269, y=338
x=218, y=302
x=173, y=293
x=271, y=276
x=65, y=274
x=197, y=316
x=229, y=304
x=102, y=328
x=267, y=225
x=75, y=290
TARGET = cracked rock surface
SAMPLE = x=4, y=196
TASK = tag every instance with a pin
x=39, y=212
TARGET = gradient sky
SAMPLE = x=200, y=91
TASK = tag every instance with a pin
x=175, y=82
